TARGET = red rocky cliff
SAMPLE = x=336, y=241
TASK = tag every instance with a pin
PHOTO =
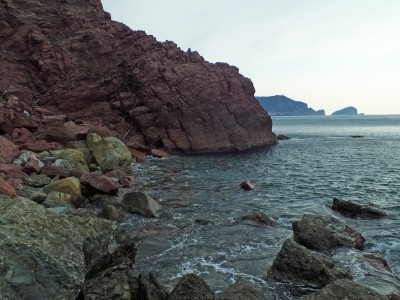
x=67, y=57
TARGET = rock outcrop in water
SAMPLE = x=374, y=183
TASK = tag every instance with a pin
x=347, y=111
x=280, y=105
x=67, y=60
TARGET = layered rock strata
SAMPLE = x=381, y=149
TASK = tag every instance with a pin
x=67, y=60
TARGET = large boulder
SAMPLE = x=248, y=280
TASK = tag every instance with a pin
x=323, y=233
x=345, y=289
x=43, y=255
x=140, y=203
x=355, y=209
x=295, y=263
x=152, y=94
x=193, y=287
x=242, y=289
x=110, y=152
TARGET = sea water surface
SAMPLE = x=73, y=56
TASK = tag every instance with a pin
x=322, y=160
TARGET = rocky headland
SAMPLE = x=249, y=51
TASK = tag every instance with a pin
x=66, y=60
x=347, y=111
x=280, y=105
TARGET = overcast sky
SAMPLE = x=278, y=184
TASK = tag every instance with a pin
x=327, y=53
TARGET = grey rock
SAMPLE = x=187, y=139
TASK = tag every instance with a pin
x=324, y=233
x=151, y=289
x=191, y=287
x=355, y=209
x=42, y=254
x=111, y=213
x=34, y=194
x=115, y=282
x=37, y=180
x=140, y=203
x=345, y=289
x=295, y=263
x=242, y=289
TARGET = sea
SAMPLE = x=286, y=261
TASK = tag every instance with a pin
x=200, y=229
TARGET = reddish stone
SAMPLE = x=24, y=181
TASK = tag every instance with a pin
x=138, y=155
x=160, y=153
x=53, y=171
x=8, y=150
x=55, y=133
x=32, y=166
x=39, y=146
x=21, y=135
x=100, y=182
x=7, y=189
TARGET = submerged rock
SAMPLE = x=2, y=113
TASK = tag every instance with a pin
x=260, y=217
x=354, y=209
x=140, y=203
x=193, y=287
x=345, y=289
x=242, y=289
x=282, y=137
x=295, y=263
x=324, y=233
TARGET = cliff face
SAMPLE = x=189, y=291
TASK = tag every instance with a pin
x=69, y=57
x=284, y=106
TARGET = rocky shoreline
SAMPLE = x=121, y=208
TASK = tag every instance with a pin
x=60, y=212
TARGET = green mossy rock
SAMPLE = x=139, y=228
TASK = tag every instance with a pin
x=109, y=152
x=75, y=159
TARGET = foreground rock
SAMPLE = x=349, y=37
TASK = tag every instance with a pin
x=297, y=264
x=150, y=289
x=242, y=289
x=192, y=287
x=324, y=233
x=140, y=203
x=354, y=209
x=48, y=256
x=87, y=67
x=345, y=289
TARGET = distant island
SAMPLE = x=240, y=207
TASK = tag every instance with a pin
x=347, y=111
x=281, y=105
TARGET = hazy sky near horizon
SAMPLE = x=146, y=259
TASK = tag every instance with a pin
x=329, y=54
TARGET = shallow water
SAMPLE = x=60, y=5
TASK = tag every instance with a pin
x=321, y=161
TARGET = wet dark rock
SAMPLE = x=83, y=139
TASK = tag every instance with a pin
x=282, y=137
x=356, y=136
x=140, y=203
x=191, y=287
x=345, y=289
x=114, y=282
x=150, y=288
x=356, y=209
x=297, y=264
x=111, y=213
x=324, y=233
x=371, y=270
x=242, y=289
x=260, y=218
x=104, y=200
x=204, y=221
x=247, y=186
